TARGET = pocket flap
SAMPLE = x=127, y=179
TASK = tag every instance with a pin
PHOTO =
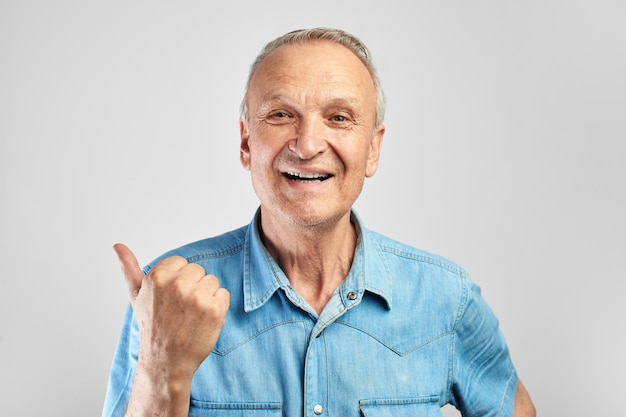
x=427, y=406
x=213, y=409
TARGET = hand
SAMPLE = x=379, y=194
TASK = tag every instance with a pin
x=180, y=311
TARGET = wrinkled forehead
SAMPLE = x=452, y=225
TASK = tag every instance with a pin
x=318, y=67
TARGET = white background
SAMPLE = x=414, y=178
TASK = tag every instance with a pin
x=504, y=152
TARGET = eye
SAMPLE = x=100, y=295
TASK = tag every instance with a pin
x=278, y=117
x=341, y=120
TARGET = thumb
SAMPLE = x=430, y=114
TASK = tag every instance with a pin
x=130, y=268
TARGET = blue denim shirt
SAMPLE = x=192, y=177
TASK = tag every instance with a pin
x=406, y=333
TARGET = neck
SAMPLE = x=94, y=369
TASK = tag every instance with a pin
x=316, y=259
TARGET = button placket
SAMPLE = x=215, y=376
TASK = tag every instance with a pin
x=316, y=376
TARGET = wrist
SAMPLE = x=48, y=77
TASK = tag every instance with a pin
x=159, y=392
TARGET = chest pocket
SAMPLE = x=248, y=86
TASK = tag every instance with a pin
x=403, y=407
x=204, y=409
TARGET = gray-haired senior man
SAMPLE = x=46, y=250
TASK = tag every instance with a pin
x=313, y=314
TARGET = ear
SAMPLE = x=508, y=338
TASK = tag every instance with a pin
x=374, y=151
x=244, y=147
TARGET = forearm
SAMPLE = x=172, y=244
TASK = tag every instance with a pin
x=523, y=404
x=158, y=395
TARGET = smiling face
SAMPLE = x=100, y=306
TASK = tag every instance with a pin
x=311, y=138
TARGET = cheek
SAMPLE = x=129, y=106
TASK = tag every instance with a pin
x=267, y=142
x=355, y=161
x=261, y=157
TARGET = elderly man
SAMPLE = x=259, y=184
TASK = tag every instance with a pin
x=313, y=314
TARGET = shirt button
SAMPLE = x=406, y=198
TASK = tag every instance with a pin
x=318, y=409
x=351, y=296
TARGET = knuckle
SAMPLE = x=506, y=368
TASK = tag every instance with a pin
x=163, y=271
x=199, y=300
x=158, y=276
x=173, y=262
x=194, y=268
x=178, y=285
x=212, y=281
x=215, y=312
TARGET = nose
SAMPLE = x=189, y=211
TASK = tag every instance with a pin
x=310, y=139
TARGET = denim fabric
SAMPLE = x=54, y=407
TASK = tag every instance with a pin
x=406, y=333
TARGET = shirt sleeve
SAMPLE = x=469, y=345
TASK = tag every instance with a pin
x=484, y=378
x=123, y=368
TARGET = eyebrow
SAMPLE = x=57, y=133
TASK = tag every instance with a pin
x=275, y=97
x=334, y=102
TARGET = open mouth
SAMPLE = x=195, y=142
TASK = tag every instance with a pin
x=302, y=177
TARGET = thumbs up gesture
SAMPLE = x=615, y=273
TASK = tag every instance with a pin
x=180, y=311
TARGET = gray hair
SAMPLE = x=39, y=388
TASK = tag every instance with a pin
x=340, y=37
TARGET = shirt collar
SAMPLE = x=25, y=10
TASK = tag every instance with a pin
x=262, y=276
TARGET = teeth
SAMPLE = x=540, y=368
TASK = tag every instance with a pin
x=304, y=176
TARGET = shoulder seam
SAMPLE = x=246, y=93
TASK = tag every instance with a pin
x=214, y=255
x=433, y=260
